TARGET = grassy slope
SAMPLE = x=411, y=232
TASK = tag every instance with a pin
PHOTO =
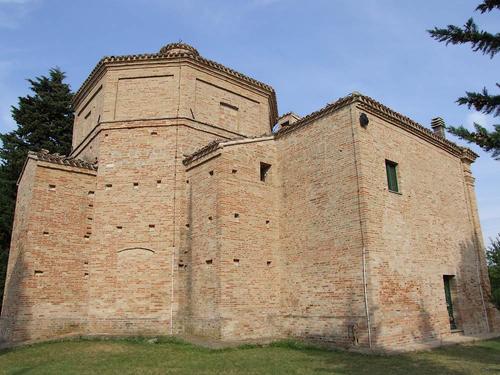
x=170, y=357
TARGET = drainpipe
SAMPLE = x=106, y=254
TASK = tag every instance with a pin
x=365, y=291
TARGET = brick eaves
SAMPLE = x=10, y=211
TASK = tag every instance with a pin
x=377, y=108
x=107, y=60
x=62, y=160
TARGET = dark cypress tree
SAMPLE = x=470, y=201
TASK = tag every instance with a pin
x=488, y=44
x=493, y=257
x=44, y=121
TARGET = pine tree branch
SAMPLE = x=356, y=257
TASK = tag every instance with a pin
x=482, y=102
x=488, y=141
x=488, y=5
x=480, y=40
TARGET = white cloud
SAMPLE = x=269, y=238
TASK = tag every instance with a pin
x=14, y=12
x=15, y=1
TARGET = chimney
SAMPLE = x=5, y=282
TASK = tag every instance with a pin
x=438, y=127
x=286, y=120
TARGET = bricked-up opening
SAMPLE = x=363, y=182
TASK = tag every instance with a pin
x=236, y=261
x=227, y=105
x=208, y=261
x=52, y=187
x=392, y=176
x=108, y=186
x=264, y=171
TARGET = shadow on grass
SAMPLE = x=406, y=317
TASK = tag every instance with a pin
x=283, y=357
x=486, y=352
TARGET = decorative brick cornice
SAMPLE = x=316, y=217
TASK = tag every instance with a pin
x=174, y=51
x=371, y=105
x=44, y=155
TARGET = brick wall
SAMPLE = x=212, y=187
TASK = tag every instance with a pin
x=416, y=236
x=48, y=268
x=320, y=240
x=147, y=245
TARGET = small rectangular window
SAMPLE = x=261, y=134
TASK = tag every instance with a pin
x=392, y=175
x=264, y=171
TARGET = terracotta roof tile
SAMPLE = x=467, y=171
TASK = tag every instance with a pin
x=374, y=106
x=44, y=155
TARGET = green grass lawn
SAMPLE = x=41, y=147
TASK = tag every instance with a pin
x=137, y=356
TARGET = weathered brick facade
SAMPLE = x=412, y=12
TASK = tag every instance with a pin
x=180, y=212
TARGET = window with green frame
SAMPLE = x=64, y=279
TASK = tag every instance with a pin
x=392, y=175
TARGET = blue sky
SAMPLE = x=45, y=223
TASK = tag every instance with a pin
x=312, y=52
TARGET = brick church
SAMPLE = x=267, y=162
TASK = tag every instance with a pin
x=189, y=207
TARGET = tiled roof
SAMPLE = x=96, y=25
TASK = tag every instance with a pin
x=44, y=155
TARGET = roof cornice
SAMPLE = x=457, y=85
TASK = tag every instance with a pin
x=173, y=56
x=376, y=108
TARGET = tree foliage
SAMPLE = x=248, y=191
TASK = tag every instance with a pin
x=44, y=121
x=488, y=44
x=493, y=258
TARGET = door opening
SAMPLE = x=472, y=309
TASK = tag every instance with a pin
x=448, y=279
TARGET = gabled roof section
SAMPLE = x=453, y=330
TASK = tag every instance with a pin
x=198, y=154
x=176, y=51
x=220, y=143
x=377, y=108
x=292, y=114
